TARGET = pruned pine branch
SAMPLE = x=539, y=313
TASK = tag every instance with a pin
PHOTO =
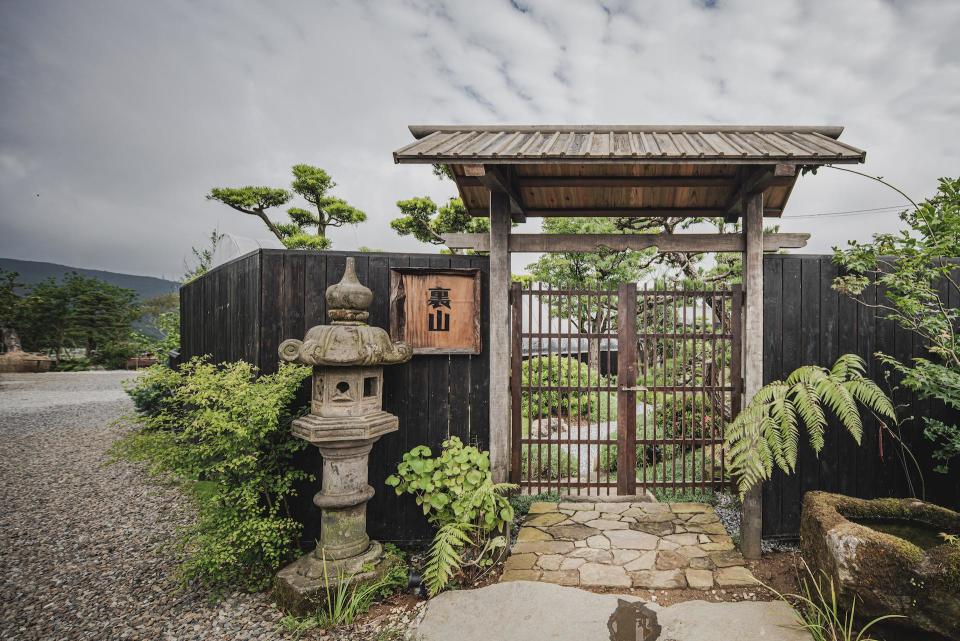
x=766, y=432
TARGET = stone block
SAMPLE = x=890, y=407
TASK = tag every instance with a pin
x=603, y=575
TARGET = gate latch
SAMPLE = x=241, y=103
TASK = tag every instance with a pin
x=634, y=389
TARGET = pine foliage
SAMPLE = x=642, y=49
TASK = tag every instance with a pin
x=766, y=433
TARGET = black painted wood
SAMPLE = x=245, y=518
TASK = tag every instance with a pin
x=245, y=308
x=806, y=322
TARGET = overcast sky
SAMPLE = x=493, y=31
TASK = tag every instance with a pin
x=117, y=117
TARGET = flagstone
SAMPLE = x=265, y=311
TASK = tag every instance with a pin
x=584, y=516
x=576, y=506
x=539, y=507
x=613, y=508
x=604, y=524
x=734, y=576
x=670, y=560
x=542, y=547
x=598, y=542
x=714, y=547
x=699, y=579
x=570, y=532
x=632, y=540
x=550, y=561
x=643, y=562
x=532, y=534
x=561, y=577
x=659, y=529
x=520, y=575
x=591, y=555
x=520, y=562
x=621, y=557
x=684, y=508
x=682, y=539
x=547, y=518
x=692, y=551
x=659, y=579
x=604, y=575
x=726, y=558
x=572, y=563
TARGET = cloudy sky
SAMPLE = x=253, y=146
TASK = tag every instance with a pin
x=117, y=117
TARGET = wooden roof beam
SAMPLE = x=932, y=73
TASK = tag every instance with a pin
x=497, y=179
x=683, y=243
x=627, y=212
x=606, y=182
x=757, y=182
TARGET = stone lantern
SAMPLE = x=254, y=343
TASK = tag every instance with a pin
x=346, y=418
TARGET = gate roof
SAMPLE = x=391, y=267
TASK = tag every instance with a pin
x=627, y=170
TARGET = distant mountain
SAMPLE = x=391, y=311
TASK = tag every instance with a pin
x=33, y=272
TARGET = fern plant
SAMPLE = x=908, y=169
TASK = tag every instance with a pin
x=766, y=432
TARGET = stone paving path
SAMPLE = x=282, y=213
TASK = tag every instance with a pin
x=645, y=545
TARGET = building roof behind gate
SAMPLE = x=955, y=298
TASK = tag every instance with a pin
x=627, y=170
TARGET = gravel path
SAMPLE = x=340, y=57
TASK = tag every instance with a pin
x=83, y=545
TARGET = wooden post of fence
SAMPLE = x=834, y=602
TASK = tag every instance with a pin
x=626, y=385
x=750, y=522
x=499, y=343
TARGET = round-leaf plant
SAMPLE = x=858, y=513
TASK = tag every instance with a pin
x=459, y=497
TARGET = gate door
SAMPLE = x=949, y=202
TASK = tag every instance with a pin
x=622, y=391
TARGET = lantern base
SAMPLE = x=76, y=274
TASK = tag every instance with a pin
x=302, y=587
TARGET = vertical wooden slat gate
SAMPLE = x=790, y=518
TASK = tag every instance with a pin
x=584, y=361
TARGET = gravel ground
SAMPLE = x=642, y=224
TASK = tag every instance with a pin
x=85, y=545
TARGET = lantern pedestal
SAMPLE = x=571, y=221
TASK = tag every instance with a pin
x=345, y=421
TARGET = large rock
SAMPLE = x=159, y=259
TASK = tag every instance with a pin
x=886, y=574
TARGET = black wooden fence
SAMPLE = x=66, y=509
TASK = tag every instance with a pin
x=806, y=322
x=245, y=308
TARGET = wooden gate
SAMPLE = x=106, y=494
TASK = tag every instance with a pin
x=584, y=362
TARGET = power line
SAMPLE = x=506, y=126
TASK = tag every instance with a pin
x=852, y=212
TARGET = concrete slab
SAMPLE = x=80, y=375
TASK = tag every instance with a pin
x=534, y=611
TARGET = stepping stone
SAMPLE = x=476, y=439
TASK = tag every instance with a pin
x=583, y=517
x=542, y=506
x=572, y=563
x=520, y=562
x=704, y=518
x=727, y=558
x=703, y=538
x=580, y=544
x=658, y=528
x=598, y=542
x=688, y=508
x=735, y=576
x=520, y=575
x=643, y=562
x=717, y=547
x=670, y=560
x=702, y=563
x=561, y=577
x=713, y=528
x=550, y=561
x=622, y=557
x=591, y=555
x=570, y=532
x=692, y=551
x=652, y=507
x=632, y=540
x=576, y=506
x=542, y=547
x=613, y=508
x=532, y=534
x=659, y=579
x=604, y=524
x=682, y=539
x=667, y=545
x=603, y=575
x=546, y=519
x=699, y=579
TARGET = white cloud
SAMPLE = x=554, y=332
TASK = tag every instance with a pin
x=121, y=116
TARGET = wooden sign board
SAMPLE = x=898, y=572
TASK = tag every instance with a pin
x=436, y=311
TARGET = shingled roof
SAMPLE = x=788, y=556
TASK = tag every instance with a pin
x=626, y=170
x=601, y=143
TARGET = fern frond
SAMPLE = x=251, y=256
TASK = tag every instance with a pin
x=809, y=408
x=444, y=560
x=869, y=394
x=838, y=399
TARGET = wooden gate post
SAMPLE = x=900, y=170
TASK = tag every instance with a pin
x=499, y=340
x=627, y=389
x=750, y=521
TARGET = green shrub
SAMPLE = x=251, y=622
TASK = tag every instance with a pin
x=547, y=462
x=458, y=496
x=225, y=433
x=114, y=355
x=556, y=371
x=153, y=392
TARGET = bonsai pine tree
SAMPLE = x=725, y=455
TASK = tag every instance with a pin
x=424, y=220
x=307, y=228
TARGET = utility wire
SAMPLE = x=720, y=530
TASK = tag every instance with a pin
x=851, y=212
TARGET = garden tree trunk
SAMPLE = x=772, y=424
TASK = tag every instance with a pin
x=11, y=340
